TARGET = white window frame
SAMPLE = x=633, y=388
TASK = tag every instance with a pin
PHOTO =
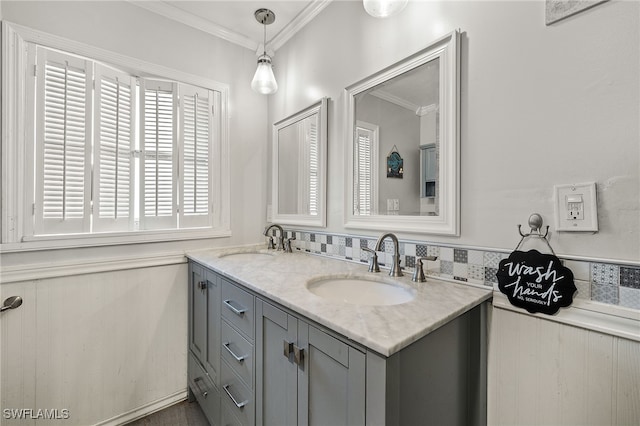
x=18, y=132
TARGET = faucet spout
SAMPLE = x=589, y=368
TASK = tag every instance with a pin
x=396, y=270
x=280, y=238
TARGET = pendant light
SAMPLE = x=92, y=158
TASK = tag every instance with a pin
x=384, y=8
x=264, y=81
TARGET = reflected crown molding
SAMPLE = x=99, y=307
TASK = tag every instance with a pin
x=386, y=96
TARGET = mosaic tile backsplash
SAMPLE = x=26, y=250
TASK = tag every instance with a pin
x=601, y=282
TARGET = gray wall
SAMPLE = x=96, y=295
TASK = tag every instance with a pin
x=541, y=105
x=398, y=127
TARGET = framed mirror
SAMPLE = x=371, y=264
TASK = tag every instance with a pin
x=299, y=167
x=403, y=142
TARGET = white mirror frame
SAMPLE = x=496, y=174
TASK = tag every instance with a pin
x=319, y=220
x=448, y=221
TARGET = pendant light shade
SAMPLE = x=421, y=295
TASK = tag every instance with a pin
x=384, y=8
x=264, y=81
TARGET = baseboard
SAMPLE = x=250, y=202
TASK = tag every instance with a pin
x=145, y=410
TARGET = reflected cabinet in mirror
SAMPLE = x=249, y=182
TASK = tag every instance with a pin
x=299, y=167
x=403, y=144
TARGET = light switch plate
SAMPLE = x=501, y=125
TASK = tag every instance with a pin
x=576, y=207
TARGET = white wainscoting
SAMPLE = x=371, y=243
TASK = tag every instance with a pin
x=544, y=372
x=106, y=346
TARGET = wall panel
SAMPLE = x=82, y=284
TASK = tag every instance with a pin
x=102, y=345
x=545, y=372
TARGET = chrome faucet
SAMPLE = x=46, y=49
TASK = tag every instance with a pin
x=396, y=270
x=280, y=239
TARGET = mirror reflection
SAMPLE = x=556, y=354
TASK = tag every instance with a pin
x=299, y=164
x=396, y=144
x=298, y=167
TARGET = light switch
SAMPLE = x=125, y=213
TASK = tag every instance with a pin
x=576, y=207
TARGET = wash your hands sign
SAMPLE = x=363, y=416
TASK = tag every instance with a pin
x=536, y=282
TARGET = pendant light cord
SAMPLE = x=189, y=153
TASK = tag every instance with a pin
x=264, y=38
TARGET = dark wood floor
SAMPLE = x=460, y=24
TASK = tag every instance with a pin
x=181, y=414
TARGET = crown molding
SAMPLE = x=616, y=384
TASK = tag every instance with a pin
x=297, y=23
x=176, y=14
x=194, y=21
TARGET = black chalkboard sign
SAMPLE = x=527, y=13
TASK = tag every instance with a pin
x=536, y=282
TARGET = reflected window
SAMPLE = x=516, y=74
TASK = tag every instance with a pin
x=365, y=169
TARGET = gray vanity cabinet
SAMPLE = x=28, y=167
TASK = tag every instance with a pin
x=305, y=376
x=253, y=362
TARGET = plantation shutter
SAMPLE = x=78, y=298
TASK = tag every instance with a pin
x=313, y=167
x=158, y=127
x=196, y=159
x=63, y=143
x=113, y=150
x=364, y=172
x=308, y=166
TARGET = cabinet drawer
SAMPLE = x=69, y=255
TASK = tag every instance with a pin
x=237, y=396
x=237, y=308
x=238, y=353
x=206, y=393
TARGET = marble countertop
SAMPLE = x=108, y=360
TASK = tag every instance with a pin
x=283, y=277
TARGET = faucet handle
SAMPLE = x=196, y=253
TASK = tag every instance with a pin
x=271, y=245
x=287, y=244
x=418, y=273
x=373, y=260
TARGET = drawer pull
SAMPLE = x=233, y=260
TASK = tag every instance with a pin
x=287, y=348
x=237, y=358
x=197, y=381
x=202, y=285
x=298, y=355
x=238, y=404
x=239, y=311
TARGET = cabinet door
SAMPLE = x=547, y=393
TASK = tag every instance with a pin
x=197, y=312
x=331, y=380
x=211, y=360
x=204, y=318
x=276, y=382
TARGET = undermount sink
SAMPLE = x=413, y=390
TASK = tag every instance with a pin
x=247, y=255
x=360, y=291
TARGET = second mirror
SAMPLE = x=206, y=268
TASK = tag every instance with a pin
x=299, y=164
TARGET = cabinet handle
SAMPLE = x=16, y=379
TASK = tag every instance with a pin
x=287, y=348
x=197, y=381
x=237, y=358
x=298, y=355
x=239, y=311
x=202, y=285
x=238, y=404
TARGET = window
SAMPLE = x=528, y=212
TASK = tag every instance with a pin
x=365, y=191
x=117, y=148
